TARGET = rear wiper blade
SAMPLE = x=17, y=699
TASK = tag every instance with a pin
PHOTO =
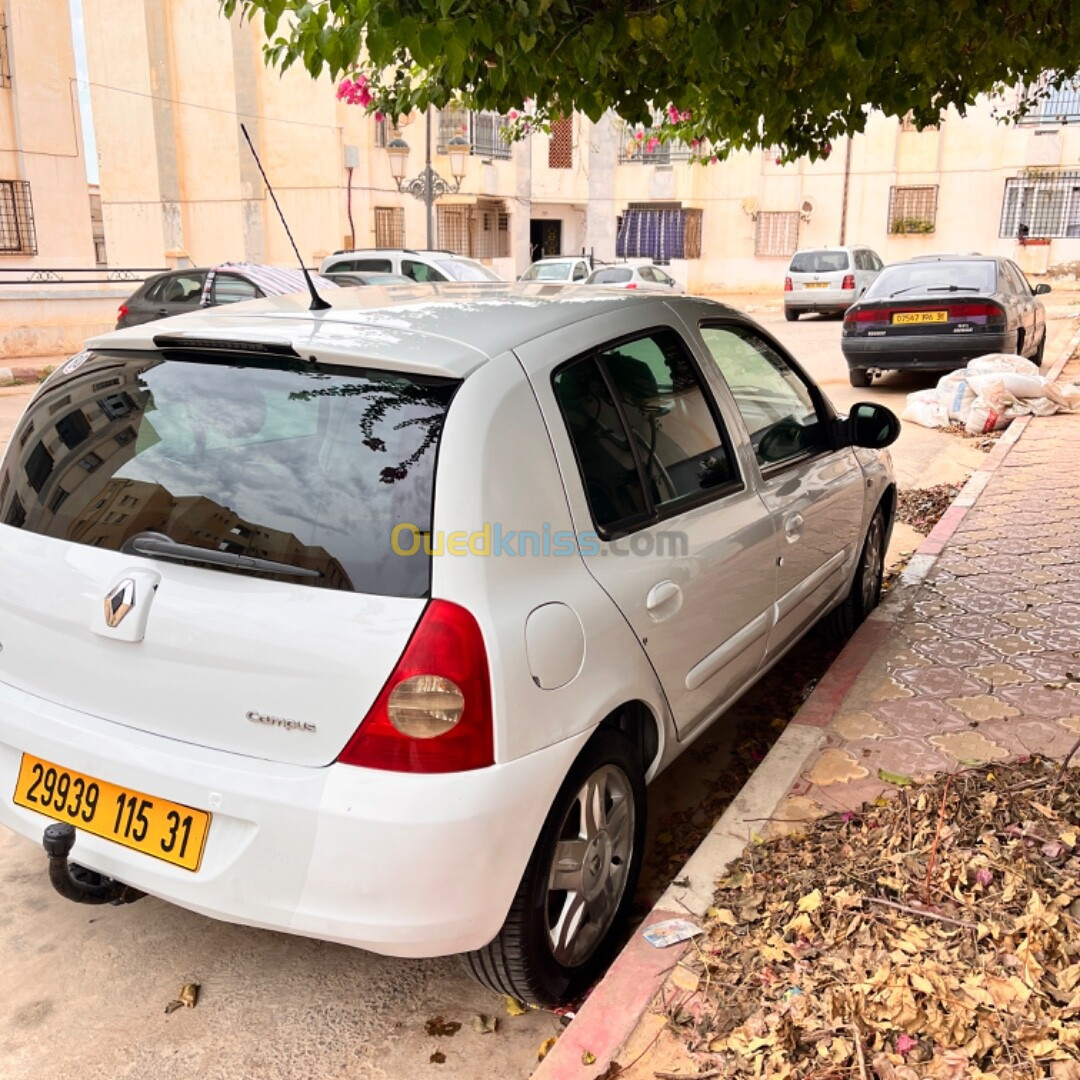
x=936, y=288
x=160, y=546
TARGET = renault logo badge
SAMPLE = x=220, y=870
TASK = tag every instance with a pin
x=119, y=602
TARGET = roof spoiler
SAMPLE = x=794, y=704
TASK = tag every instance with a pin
x=213, y=344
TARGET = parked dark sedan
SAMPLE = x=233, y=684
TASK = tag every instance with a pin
x=938, y=313
x=181, y=291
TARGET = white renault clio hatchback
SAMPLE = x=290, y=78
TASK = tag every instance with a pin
x=371, y=624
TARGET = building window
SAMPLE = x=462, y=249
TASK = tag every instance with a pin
x=776, y=233
x=913, y=209
x=659, y=231
x=1041, y=206
x=484, y=131
x=389, y=226
x=97, y=226
x=480, y=230
x=1051, y=106
x=561, y=146
x=382, y=125
x=17, y=234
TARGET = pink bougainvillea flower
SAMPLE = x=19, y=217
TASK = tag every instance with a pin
x=651, y=145
x=639, y=135
x=905, y=1043
x=379, y=117
x=673, y=114
x=513, y=114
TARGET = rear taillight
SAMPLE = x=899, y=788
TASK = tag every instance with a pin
x=848, y=282
x=787, y=285
x=990, y=312
x=122, y=312
x=632, y=285
x=434, y=713
x=868, y=315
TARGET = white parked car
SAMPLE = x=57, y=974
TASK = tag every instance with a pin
x=647, y=277
x=307, y=619
x=828, y=279
x=422, y=266
x=562, y=270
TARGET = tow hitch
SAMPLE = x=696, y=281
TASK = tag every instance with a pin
x=76, y=882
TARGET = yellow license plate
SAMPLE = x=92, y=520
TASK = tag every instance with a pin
x=906, y=317
x=156, y=827
x=816, y=285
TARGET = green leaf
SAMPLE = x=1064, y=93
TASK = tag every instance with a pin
x=798, y=25
x=897, y=779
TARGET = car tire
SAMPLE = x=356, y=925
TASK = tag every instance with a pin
x=529, y=960
x=859, y=377
x=1040, y=352
x=791, y=315
x=865, y=592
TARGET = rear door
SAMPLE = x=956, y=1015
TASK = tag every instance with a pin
x=171, y=294
x=814, y=492
x=667, y=524
x=235, y=457
x=1030, y=310
x=229, y=288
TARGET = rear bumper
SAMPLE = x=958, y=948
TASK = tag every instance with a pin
x=934, y=352
x=824, y=300
x=399, y=864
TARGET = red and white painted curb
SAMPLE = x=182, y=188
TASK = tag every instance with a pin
x=613, y=1010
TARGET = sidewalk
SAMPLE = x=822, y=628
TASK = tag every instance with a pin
x=971, y=658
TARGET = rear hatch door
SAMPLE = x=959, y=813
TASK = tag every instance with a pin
x=300, y=473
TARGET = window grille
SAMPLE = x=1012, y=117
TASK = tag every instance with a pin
x=389, y=226
x=5, y=63
x=1051, y=106
x=381, y=127
x=641, y=145
x=1041, y=206
x=777, y=233
x=484, y=130
x=913, y=209
x=659, y=231
x=17, y=233
x=480, y=230
x=561, y=146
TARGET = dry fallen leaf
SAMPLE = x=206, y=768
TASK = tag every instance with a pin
x=189, y=998
x=588, y=1057
x=545, y=1048
x=514, y=1007
x=484, y=1024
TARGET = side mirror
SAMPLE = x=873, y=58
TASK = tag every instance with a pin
x=872, y=426
x=1042, y=289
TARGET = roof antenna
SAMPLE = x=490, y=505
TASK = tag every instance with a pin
x=317, y=302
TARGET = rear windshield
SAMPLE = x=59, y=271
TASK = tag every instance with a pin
x=818, y=262
x=304, y=466
x=932, y=276
x=610, y=277
x=460, y=270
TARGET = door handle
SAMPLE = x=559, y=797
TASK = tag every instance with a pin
x=793, y=527
x=664, y=600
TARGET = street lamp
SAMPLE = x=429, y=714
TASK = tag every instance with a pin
x=429, y=185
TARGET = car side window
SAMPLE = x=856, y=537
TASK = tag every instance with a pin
x=860, y=260
x=420, y=271
x=380, y=265
x=230, y=289
x=774, y=402
x=581, y=271
x=179, y=289
x=1020, y=283
x=876, y=263
x=643, y=431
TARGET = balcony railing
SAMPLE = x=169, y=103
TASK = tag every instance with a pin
x=1051, y=106
x=484, y=130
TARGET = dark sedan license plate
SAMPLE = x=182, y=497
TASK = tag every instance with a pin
x=156, y=827
x=909, y=318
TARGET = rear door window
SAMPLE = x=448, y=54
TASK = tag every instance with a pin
x=382, y=265
x=419, y=271
x=231, y=289
x=646, y=436
x=183, y=289
x=271, y=460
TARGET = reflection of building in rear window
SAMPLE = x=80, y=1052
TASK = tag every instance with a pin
x=73, y=429
x=39, y=466
x=818, y=262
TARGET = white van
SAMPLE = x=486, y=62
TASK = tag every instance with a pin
x=416, y=265
x=828, y=279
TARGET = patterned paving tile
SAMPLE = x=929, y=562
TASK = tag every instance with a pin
x=860, y=725
x=979, y=707
x=940, y=681
x=1031, y=735
x=1056, y=638
x=1014, y=644
x=969, y=746
x=995, y=675
x=958, y=653
x=968, y=626
x=905, y=756
x=1040, y=700
x=921, y=717
x=1063, y=614
x=1050, y=666
x=1022, y=620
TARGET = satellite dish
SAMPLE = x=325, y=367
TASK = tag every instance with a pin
x=750, y=205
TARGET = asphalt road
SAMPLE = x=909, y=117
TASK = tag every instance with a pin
x=84, y=989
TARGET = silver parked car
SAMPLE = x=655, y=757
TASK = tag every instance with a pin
x=647, y=277
x=828, y=279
